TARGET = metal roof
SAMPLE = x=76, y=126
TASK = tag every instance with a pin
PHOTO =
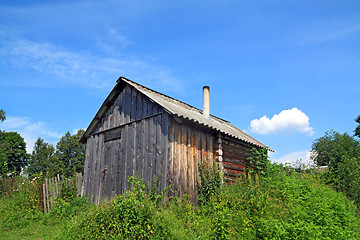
x=179, y=109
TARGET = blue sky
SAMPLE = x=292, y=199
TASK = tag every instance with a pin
x=283, y=71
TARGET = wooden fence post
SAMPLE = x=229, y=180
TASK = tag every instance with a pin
x=51, y=190
x=47, y=195
x=79, y=183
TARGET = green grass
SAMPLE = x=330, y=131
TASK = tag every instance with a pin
x=35, y=230
x=280, y=205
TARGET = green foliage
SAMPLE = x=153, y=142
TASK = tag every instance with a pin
x=19, y=203
x=209, y=183
x=130, y=216
x=13, y=154
x=41, y=158
x=278, y=205
x=341, y=152
x=259, y=161
x=2, y=115
x=68, y=190
x=357, y=129
x=66, y=208
x=20, y=211
x=70, y=155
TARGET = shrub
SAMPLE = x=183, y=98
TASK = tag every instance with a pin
x=209, y=183
x=131, y=216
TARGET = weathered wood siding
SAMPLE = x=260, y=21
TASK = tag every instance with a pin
x=131, y=138
x=136, y=135
x=189, y=144
x=235, y=154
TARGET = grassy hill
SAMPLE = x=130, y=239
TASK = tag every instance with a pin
x=283, y=204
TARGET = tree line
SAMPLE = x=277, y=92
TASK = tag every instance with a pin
x=67, y=158
x=341, y=153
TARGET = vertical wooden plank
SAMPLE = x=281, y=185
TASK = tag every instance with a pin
x=132, y=128
x=133, y=149
x=113, y=170
x=122, y=104
x=79, y=178
x=128, y=160
x=159, y=149
x=133, y=104
x=177, y=162
x=184, y=166
x=126, y=138
x=117, y=110
x=51, y=193
x=86, y=167
x=152, y=148
x=191, y=172
x=203, y=147
x=48, y=194
x=56, y=189
x=210, y=145
x=107, y=172
x=138, y=148
x=138, y=136
x=198, y=159
x=164, y=150
x=117, y=165
x=171, y=155
x=123, y=161
x=145, y=141
x=44, y=197
x=95, y=173
x=94, y=177
x=139, y=106
x=90, y=184
x=99, y=168
x=127, y=100
x=141, y=148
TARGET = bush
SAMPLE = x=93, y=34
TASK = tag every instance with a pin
x=131, y=216
x=209, y=183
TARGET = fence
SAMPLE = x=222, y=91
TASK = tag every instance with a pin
x=51, y=189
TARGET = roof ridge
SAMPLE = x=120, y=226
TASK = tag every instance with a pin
x=164, y=95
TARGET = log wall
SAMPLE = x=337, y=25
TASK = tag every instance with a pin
x=235, y=154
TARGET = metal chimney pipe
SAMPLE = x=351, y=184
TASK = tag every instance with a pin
x=206, y=101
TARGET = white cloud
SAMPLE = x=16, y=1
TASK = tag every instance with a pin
x=87, y=69
x=294, y=157
x=287, y=121
x=30, y=130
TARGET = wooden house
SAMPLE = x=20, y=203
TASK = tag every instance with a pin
x=139, y=130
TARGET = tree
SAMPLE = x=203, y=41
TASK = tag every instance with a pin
x=12, y=152
x=333, y=147
x=70, y=154
x=357, y=129
x=341, y=153
x=2, y=115
x=41, y=158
